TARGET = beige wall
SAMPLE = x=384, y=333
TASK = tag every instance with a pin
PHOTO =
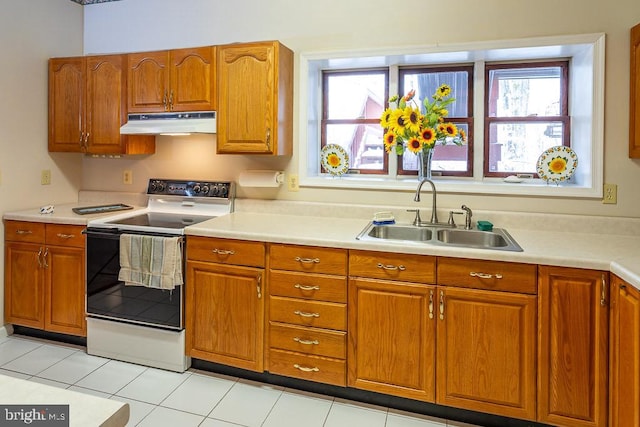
x=134, y=25
x=31, y=32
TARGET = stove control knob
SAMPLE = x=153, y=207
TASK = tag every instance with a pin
x=159, y=186
x=196, y=188
x=224, y=190
x=214, y=190
x=205, y=189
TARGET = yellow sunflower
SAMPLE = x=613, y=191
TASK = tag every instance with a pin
x=385, y=119
x=412, y=118
x=397, y=121
x=333, y=160
x=390, y=140
x=428, y=136
x=449, y=129
x=443, y=90
x=414, y=144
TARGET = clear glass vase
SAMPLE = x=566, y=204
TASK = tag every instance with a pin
x=424, y=164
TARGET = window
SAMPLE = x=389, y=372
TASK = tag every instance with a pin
x=353, y=104
x=527, y=113
x=507, y=129
x=448, y=159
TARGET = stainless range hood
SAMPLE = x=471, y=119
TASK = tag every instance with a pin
x=170, y=123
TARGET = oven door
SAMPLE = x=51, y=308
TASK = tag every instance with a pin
x=109, y=298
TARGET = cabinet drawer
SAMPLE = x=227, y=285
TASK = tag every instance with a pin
x=311, y=368
x=310, y=259
x=24, y=231
x=319, y=342
x=308, y=313
x=65, y=235
x=491, y=275
x=392, y=266
x=225, y=251
x=308, y=286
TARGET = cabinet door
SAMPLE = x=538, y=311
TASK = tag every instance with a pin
x=66, y=104
x=247, y=95
x=634, y=94
x=391, y=344
x=148, y=82
x=224, y=314
x=24, y=284
x=193, y=79
x=572, y=347
x=106, y=103
x=64, y=287
x=486, y=351
x=625, y=354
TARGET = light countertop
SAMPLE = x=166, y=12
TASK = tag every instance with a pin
x=85, y=410
x=581, y=246
x=616, y=253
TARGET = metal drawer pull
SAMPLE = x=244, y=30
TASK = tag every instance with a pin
x=65, y=236
x=24, y=232
x=306, y=369
x=44, y=258
x=306, y=314
x=306, y=342
x=39, y=258
x=485, y=275
x=223, y=251
x=441, y=305
x=307, y=260
x=603, y=294
x=392, y=267
x=306, y=288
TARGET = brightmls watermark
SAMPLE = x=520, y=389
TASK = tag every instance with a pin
x=34, y=415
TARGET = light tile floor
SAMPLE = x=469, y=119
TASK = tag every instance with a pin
x=161, y=398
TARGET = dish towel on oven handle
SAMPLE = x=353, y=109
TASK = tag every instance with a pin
x=151, y=261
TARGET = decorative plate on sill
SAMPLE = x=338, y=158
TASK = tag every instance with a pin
x=557, y=164
x=334, y=159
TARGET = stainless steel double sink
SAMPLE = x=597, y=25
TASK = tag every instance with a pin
x=497, y=239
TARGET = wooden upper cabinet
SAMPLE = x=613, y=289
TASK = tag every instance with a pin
x=172, y=80
x=66, y=104
x=572, y=346
x=255, y=99
x=87, y=106
x=634, y=93
x=625, y=355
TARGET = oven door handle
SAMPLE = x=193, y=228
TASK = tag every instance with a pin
x=109, y=233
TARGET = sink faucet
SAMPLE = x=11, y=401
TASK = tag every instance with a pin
x=467, y=217
x=434, y=214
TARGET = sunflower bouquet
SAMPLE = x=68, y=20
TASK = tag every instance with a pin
x=406, y=127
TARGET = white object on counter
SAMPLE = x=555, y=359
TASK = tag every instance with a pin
x=48, y=209
x=261, y=178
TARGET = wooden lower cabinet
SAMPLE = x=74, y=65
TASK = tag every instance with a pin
x=486, y=344
x=45, y=276
x=224, y=314
x=625, y=355
x=392, y=338
x=572, y=346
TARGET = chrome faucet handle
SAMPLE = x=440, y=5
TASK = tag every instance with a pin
x=417, y=220
x=467, y=217
x=451, y=222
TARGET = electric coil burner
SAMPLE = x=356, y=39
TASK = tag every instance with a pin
x=136, y=323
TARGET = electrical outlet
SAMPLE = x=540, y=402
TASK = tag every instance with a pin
x=127, y=177
x=45, y=177
x=610, y=194
x=292, y=182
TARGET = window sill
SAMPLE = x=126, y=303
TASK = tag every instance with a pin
x=495, y=186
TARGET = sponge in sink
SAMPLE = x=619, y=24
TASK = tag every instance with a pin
x=383, y=218
x=485, y=226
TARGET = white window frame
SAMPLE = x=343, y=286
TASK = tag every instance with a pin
x=586, y=55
